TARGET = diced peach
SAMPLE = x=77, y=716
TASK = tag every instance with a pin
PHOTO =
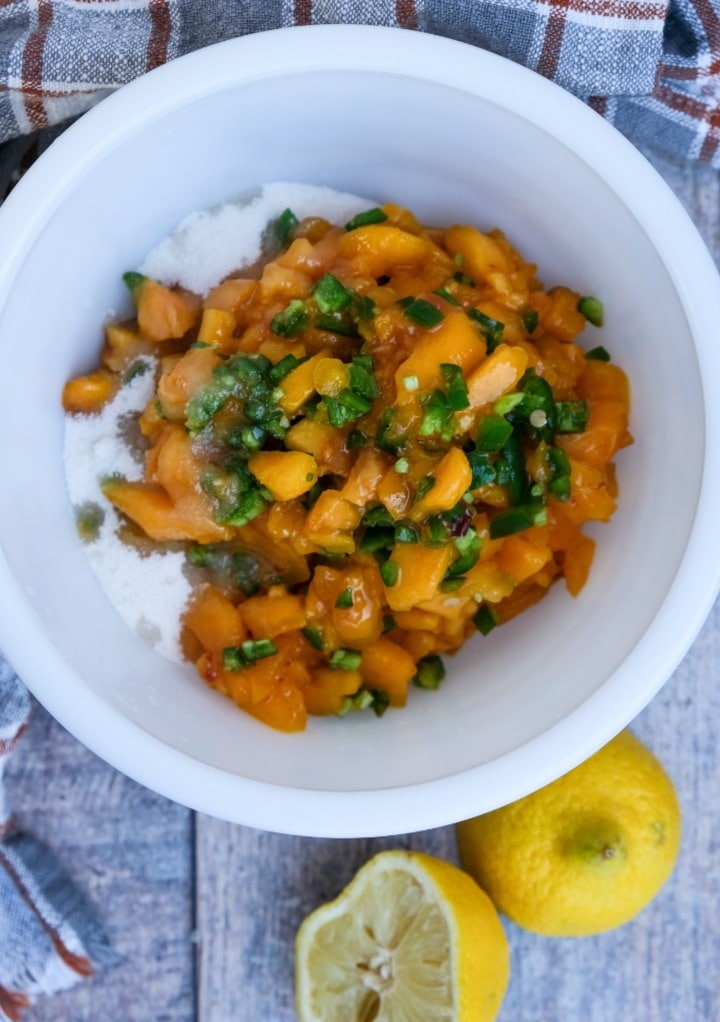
x=361, y=486
x=421, y=570
x=123, y=345
x=165, y=313
x=521, y=558
x=216, y=326
x=214, y=620
x=231, y=294
x=286, y=474
x=150, y=507
x=480, y=254
x=562, y=319
x=378, y=249
x=326, y=444
x=327, y=691
x=388, y=667
x=272, y=615
x=589, y=498
x=452, y=476
x=298, y=386
x=577, y=563
x=395, y=492
x=330, y=376
x=331, y=521
x=497, y=375
x=455, y=340
x=87, y=394
x=183, y=379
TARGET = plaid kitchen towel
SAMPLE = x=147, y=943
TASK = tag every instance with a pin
x=650, y=67
x=49, y=937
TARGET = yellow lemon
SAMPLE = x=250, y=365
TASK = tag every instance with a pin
x=410, y=939
x=587, y=852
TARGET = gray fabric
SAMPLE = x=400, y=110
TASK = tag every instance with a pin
x=650, y=68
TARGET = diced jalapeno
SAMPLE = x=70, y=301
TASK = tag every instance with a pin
x=493, y=433
x=314, y=637
x=336, y=323
x=591, y=309
x=376, y=537
x=448, y=296
x=537, y=410
x=571, y=416
x=345, y=659
x=133, y=281
x=437, y=531
x=430, y=672
x=365, y=219
x=330, y=295
x=236, y=658
x=344, y=600
x=390, y=573
x=511, y=471
x=491, y=329
x=292, y=320
x=455, y=386
x=406, y=533
x=362, y=377
x=284, y=228
x=378, y=516
x=282, y=368
x=468, y=546
x=530, y=320
x=258, y=649
x=485, y=619
x=517, y=519
x=438, y=417
x=558, y=485
x=356, y=439
x=483, y=471
x=423, y=313
x=346, y=407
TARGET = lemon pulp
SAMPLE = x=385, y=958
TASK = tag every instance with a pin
x=411, y=939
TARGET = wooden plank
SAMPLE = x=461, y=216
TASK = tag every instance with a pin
x=129, y=850
x=253, y=890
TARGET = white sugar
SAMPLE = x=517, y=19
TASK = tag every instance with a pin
x=151, y=591
x=207, y=246
x=148, y=591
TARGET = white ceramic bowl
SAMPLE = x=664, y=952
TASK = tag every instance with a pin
x=457, y=135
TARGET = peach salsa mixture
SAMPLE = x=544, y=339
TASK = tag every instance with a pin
x=379, y=440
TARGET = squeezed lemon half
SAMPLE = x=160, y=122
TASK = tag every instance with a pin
x=410, y=939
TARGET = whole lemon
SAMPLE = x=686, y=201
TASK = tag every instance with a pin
x=587, y=852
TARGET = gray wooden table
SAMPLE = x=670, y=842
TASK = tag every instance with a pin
x=204, y=913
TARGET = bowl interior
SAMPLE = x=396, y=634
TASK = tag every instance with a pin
x=452, y=156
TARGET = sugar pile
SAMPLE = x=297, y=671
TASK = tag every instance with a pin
x=150, y=592
x=207, y=246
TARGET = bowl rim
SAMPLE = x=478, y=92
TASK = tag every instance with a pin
x=394, y=810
